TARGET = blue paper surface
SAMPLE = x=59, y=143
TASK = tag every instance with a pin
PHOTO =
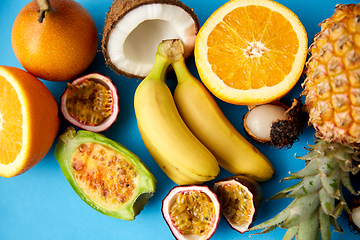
x=40, y=204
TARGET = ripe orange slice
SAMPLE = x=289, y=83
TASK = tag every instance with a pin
x=29, y=121
x=251, y=51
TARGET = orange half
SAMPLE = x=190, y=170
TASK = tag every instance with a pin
x=29, y=121
x=251, y=51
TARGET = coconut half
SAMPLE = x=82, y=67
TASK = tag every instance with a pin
x=134, y=28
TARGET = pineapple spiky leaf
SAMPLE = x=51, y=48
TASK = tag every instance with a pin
x=318, y=198
x=310, y=170
x=291, y=233
x=309, y=228
x=324, y=219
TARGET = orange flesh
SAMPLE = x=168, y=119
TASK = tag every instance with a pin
x=262, y=43
x=11, y=121
x=105, y=175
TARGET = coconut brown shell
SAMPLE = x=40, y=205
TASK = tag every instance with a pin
x=116, y=13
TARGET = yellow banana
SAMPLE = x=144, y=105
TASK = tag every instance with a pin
x=204, y=118
x=173, y=146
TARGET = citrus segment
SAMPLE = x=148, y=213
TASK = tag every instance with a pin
x=10, y=123
x=251, y=51
x=29, y=121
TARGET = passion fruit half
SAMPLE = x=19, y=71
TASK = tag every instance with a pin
x=240, y=198
x=90, y=102
x=191, y=212
x=104, y=174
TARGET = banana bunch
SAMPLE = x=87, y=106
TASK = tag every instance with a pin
x=205, y=119
x=183, y=158
x=188, y=135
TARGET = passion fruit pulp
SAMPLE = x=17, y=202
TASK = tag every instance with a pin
x=90, y=102
x=104, y=174
x=191, y=212
x=239, y=197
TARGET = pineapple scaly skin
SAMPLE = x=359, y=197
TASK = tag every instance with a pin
x=332, y=85
x=332, y=90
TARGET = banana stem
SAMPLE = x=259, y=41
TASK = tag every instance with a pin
x=44, y=7
x=181, y=71
x=159, y=70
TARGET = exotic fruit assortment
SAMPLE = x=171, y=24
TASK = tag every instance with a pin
x=248, y=52
x=90, y=102
x=332, y=101
x=104, y=174
x=191, y=212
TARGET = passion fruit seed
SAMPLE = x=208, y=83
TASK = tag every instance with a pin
x=105, y=175
x=192, y=212
x=89, y=102
x=236, y=203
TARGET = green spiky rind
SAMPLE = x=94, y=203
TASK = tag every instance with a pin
x=318, y=195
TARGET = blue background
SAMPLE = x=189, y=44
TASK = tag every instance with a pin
x=40, y=204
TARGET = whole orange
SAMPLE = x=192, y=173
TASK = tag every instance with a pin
x=59, y=48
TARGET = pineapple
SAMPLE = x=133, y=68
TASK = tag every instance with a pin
x=332, y=90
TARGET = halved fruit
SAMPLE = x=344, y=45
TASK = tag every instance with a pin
x=134, y=29
x=191, y=212
x=104, y=174
x=275, y=123
x=251, y=51
x=91, y=102
x=29, y=121
x=240, y=198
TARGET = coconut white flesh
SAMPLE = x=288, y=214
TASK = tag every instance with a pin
x=260, y=119
x=134, y=40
